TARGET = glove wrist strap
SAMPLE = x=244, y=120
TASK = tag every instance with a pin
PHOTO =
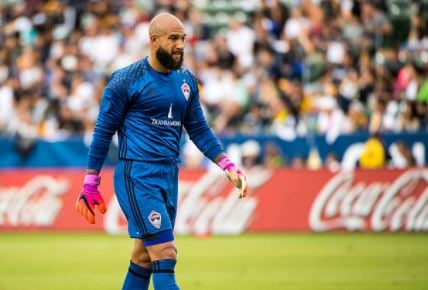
x=225, y=163
x=92, y=179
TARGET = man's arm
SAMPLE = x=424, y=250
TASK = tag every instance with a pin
x=206, y=141
x=112, y=110
x=199, y=132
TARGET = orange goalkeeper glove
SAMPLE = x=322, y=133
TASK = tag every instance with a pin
x=90, y=197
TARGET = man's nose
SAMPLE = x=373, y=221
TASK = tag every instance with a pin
x=180, y=44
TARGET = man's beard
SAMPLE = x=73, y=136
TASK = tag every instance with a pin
x=167, y=61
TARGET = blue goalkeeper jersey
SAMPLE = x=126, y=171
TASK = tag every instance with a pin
x=149, y=109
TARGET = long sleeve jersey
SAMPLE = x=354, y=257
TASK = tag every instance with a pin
x=149, y=109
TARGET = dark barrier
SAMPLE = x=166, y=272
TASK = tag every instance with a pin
x=72, y=152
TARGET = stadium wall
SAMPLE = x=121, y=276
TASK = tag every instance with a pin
x=280, y=200
x=72, y=152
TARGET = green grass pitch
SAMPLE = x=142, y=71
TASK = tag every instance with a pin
x=53, y=261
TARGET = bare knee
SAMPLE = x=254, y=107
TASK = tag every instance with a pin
x=140, y=255
x=169, y=252
x=164, y=251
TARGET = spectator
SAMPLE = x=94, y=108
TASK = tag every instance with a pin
x=273, y=157
x=314, y=160
x=373, y=155
x=7, y=105
x=408, y=120
x=401, y=155
x=298, y=162
x=332, y=162
x=251, y=154
x=240, y=40
x=284, y=68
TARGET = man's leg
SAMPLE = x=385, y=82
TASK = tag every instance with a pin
x=140, y=268
x=164, y=257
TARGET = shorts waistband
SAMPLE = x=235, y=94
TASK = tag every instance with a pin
x=166, y=161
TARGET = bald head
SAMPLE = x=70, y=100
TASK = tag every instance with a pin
x=167, y=38
x=164, y=22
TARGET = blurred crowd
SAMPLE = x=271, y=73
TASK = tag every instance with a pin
x=286, y=68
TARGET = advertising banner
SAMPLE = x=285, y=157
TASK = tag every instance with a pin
x=280, y=200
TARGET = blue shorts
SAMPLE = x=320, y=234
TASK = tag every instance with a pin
x=147, y=193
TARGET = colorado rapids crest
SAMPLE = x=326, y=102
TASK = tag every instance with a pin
x=185, y=88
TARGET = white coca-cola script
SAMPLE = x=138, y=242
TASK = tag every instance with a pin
x=398, y=205
x=36, y=203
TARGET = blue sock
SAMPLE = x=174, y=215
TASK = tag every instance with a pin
x=137, y=278
x=163, y=275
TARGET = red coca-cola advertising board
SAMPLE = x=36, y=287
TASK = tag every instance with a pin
x=279, y=200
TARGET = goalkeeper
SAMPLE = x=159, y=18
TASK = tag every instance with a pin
x=148, y=103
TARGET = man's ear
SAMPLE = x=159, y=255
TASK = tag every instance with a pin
x=154, y=40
